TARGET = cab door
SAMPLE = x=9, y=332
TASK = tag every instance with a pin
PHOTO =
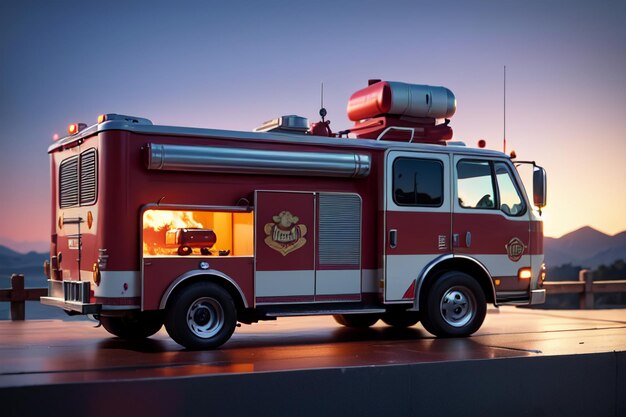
x=417, y=218
x=491, y=222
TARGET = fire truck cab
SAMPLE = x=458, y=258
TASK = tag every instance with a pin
x=199, y=229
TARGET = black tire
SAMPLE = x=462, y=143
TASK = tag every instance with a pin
x=205, y=251
x=184, y=250
x=454, y=306
x=401, y=318
x=356, y=320
x=201, y=316
x=134, y=327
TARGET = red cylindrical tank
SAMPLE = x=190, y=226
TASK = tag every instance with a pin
x=401, y=99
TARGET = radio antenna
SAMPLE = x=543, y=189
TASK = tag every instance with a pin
x=504, y=113
x=323, y=111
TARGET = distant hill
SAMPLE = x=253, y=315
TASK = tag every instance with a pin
x=12, y=259
x=586, y=247
x=24, y=247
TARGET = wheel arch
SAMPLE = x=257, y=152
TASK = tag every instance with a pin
x=460, y=263
x=209, y=275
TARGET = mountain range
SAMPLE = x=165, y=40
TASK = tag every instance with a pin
x=586, y=247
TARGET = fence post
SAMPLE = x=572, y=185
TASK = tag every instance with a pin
x=18, y=305
x=586, y=297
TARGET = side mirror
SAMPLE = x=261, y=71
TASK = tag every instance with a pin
x=539, y=187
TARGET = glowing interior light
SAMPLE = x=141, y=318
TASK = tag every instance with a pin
x=234, y=232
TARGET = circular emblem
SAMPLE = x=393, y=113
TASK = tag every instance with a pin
x=515, y=249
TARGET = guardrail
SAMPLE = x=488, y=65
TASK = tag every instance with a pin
x=586, y=287
x=17, y=295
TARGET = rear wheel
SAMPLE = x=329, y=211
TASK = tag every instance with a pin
x=455, y=306
x=134, y=327
x=401, y=318
x=356, y=320
x=201, y=316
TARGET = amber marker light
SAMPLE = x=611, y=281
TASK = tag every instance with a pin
x=74, y=128
x=102, y=118
x=96, y=273
x=46, y=268
x=89, y=219
x=524, y=273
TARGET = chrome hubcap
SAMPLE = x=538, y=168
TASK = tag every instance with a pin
x=458, y=306
x=205, y=317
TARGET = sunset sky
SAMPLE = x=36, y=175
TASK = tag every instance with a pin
x=233, y=65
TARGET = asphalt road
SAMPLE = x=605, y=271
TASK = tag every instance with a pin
x=36, y=352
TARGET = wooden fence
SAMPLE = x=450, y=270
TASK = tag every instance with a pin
x=17, y=295
x=586, y=287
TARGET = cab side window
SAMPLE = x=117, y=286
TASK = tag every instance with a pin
x=418, y=182
x=511, y=202
x=475, y=185
x=488, y=185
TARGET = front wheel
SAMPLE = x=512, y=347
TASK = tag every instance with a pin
x=135, y=326
x=201, y=316
x=455, y=306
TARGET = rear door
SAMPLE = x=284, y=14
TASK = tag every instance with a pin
x=417, y=218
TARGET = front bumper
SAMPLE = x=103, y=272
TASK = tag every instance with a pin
x=537, y=296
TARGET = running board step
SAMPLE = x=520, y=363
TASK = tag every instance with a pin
x=319, y=310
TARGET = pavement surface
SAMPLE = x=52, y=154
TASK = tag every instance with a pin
x=38, y=352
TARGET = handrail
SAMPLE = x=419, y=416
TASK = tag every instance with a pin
x=390, y=128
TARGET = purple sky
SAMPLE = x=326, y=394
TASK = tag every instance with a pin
x=235, y=64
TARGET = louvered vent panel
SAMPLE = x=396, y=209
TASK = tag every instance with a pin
x=340, y=230
x=88, y=180
x=68, y=183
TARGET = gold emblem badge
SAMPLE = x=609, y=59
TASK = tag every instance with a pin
x=515, y=249
x=284, y=235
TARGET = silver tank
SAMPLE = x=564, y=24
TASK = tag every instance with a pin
x=417, y=100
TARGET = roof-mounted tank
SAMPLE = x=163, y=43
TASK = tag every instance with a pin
x=404, y=112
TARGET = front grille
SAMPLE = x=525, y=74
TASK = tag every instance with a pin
x=78, y=180
x=68, y=183
x=76, y=291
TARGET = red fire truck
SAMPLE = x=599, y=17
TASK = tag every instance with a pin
x=199, y=229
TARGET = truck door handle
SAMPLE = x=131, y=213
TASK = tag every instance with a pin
x=393, y=238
